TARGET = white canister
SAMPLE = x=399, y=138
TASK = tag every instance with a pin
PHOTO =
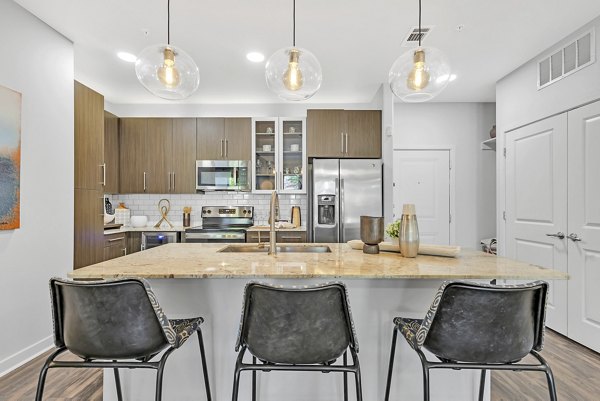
x=122, y=216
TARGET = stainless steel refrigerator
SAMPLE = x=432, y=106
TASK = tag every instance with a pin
x=342, y=190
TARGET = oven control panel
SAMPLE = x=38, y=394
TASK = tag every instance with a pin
x=227, y=211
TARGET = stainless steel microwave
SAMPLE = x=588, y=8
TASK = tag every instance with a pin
x=223, y=175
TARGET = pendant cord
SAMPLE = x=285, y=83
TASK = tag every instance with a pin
x=420, y=23
x=168, y=22
x=294, y=37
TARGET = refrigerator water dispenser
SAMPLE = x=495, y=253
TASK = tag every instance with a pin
x=326, y=209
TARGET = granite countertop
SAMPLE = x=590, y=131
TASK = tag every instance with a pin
x=267, y=228
x=124, y=229
x=194, y=260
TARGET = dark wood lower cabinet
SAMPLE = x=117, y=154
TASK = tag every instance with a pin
x=134, y=242
x=88, y=227
x=282, y=236
x=115, y=245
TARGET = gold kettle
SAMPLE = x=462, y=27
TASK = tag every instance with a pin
x=296, y=220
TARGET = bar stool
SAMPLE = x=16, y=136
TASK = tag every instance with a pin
x=297, y=329
x=478, y=326
x=115, y=324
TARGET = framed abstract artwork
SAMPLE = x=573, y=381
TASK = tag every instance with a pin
x=10, y=158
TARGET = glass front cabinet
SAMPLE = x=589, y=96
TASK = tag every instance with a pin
x=279, y=154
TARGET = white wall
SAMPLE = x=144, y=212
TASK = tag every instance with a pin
x=41, y=68
x=461, y=126
x=519, y=102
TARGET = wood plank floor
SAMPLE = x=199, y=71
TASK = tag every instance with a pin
x=61, y=384
x=576, y=369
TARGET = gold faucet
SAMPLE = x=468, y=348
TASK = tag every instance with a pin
x=273, y=217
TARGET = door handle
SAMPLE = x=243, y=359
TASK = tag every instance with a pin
x=574, y=237
x=559, y=235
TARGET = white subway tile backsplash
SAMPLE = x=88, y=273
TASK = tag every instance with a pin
x=147, y=204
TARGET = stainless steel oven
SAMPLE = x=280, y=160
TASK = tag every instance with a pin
x=222, y=224
x=223, y=175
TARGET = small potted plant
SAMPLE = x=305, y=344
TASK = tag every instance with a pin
x=393, y=231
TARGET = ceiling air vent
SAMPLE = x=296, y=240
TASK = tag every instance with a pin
x=412, y=39
x=567, y=60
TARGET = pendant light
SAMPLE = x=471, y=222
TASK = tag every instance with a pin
x=419, y=75
x=166, y=70
x=293, y=73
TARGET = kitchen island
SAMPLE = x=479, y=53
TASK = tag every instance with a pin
x=201, y=281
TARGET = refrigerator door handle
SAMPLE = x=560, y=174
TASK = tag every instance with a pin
x=342, y=214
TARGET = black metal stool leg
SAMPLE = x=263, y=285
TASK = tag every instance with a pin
x=204, y=367
x=482, y=384
x=346, y=376
x=236, y=384
x=42, y=379
x=160, y=372
x=391, y=365
x=358, y=385
x=551, y=384
x=118, y=384
x=254, y=380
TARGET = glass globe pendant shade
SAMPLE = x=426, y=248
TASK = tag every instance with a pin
x=293, y=73
x=167, y=72
x=419, y=75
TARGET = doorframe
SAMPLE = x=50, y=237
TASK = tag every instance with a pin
x=451, y=149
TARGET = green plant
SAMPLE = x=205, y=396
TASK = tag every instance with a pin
x=393, y=229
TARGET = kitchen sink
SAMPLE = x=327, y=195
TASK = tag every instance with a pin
x=280, y=248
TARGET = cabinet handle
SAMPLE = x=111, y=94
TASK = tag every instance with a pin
x=116, y=239
x=173, y=181
x=124, y=251
x=342, y=135
x=144, y=181
x=222, y=140
x=346, y=143
x=226, y=148
x=291, y=237
x=103, y=165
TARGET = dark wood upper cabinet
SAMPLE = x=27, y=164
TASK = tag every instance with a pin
x=224, y=138
x=363, y=128
x=132, y=155
x=183, y=176
x=89, y=137
x=344, y=133
x=238, y=138
x=159, y=154
x=210, y=138
x=111, y=153
x=325, y=133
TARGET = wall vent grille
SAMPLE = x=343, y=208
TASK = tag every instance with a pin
x=567, y=60
x=412, y=39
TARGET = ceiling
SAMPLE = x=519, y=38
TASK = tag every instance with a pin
x=356, y=41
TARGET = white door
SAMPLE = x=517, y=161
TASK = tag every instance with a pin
x=536, y=204
x=422, y=177
x=584, y=222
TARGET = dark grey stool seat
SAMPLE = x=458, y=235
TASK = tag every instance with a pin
x=297, y=329
x=479, y=326
x=115, y=324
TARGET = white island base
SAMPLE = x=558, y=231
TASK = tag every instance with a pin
x=374, y=303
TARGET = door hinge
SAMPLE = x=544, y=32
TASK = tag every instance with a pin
x=449, y=218
x=504, y=215
x=504, y=151
x=394, y=184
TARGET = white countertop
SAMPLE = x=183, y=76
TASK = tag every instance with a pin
x=124, y=229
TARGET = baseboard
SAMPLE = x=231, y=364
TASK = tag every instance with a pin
x=25, y=355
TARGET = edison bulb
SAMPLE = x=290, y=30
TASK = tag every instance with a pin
x=167, y=73
x=418, y=78
x=292, y=78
